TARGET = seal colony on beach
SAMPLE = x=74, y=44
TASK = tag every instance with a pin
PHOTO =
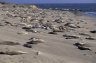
x=29, y=34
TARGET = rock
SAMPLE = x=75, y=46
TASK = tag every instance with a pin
x=94, y=31
x=71, y=36
x=27, y=45
x=38, y=53
x=9, y=43
x=12, y=52
x=82, y=46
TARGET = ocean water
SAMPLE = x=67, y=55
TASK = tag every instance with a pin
x=89, y=9
x=92, y=14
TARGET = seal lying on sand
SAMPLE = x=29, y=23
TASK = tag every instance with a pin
x=71, y=25
x=12, y=52
x=82, y=46
x=35, y=41
x=93, y=31
x=84, y=34
x=52, y=33
x=71, y=36
x=27, y=45
x=23, y=33
x=90, y=38
x=9, y=43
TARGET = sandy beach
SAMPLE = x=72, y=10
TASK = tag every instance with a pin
x=45, y=36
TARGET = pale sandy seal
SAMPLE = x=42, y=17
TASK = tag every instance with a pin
x=12, y=52
x=35, y=41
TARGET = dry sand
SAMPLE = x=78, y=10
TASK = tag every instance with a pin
x=55, y=49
